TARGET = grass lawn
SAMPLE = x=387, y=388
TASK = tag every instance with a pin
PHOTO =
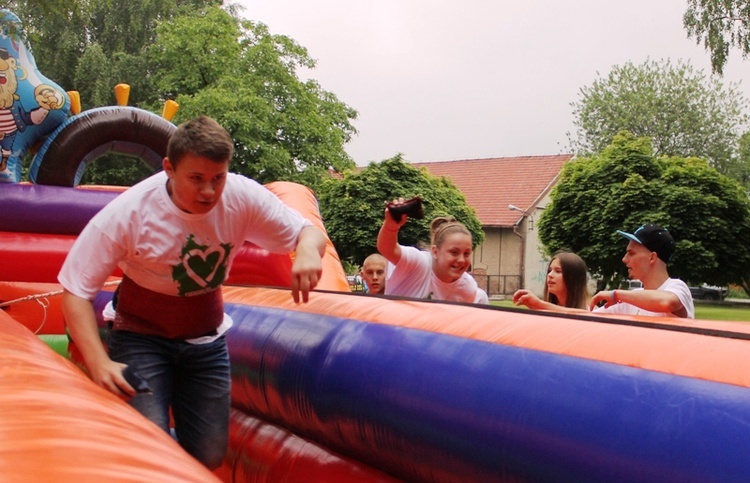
x=727, y=312
x=730, y=312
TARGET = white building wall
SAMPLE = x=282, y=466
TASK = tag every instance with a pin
x=535, y=261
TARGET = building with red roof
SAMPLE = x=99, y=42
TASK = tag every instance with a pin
x=508, y=195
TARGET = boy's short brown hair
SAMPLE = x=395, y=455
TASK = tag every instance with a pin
x=203, y=137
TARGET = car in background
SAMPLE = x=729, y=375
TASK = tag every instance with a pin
x=630, y=284
x=708, y=292
x=703, y=292
x=355, y=283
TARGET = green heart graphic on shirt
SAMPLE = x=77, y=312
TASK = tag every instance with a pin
x=202, y=266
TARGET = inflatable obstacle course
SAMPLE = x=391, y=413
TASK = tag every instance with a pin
x=430, y=391
x=349, y=387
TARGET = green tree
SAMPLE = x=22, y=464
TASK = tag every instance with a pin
x=626, y=186
x=684, y=112
x=63, y=32
x=56, y=32
x=353, y=207
x=719, y=25
x=208, y=60
x=240, y=74
x=92, y=45
x=743, y=164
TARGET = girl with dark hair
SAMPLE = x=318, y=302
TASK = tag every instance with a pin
x=565, y=289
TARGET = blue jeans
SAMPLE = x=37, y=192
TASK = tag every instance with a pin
x=194, y=379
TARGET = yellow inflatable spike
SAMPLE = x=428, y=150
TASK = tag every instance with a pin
x=170, y=109
x=122, y=93
x=75, y=102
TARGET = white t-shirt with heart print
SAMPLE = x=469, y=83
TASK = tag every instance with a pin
x=169, y=251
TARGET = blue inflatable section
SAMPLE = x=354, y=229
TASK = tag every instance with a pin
x=424, y=406
x=429, y=407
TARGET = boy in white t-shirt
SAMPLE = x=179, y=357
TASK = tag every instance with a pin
x=175, y=235
x=650, y=249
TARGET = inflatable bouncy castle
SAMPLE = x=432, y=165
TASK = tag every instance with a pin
x=350, y=387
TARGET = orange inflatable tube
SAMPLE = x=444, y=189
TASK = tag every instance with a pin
x=40, y=315
x=303, y=200
x=58, y=426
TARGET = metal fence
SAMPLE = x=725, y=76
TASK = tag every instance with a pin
x=504, y=285
x=498, y=284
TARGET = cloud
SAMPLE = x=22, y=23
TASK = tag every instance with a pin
x=440, y=80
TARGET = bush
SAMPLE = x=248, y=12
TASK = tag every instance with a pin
x=736, y=292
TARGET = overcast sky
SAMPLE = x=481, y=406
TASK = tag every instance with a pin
x=440, y=80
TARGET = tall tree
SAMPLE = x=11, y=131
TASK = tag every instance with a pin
x=90, y=46
x=684, y=112
x=56, y=31
x=208, y=60
x=353, y=207
x=245, y=77
x=63, y=32
x=626, y=186
x=743, y=161
x=719, y=25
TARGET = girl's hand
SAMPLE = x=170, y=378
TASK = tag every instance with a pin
x=527, y=298
x=390, y=222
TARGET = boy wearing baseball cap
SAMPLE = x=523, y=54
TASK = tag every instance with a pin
x=649, y=250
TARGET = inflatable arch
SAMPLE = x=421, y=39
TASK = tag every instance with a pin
x=386, y=389
x=63, y=156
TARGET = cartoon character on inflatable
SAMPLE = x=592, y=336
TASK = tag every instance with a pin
x=31, y=105
x=35, y=109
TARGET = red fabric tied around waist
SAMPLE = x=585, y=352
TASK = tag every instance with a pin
x=147, y=312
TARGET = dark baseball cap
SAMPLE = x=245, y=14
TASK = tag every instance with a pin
x=655, y=238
